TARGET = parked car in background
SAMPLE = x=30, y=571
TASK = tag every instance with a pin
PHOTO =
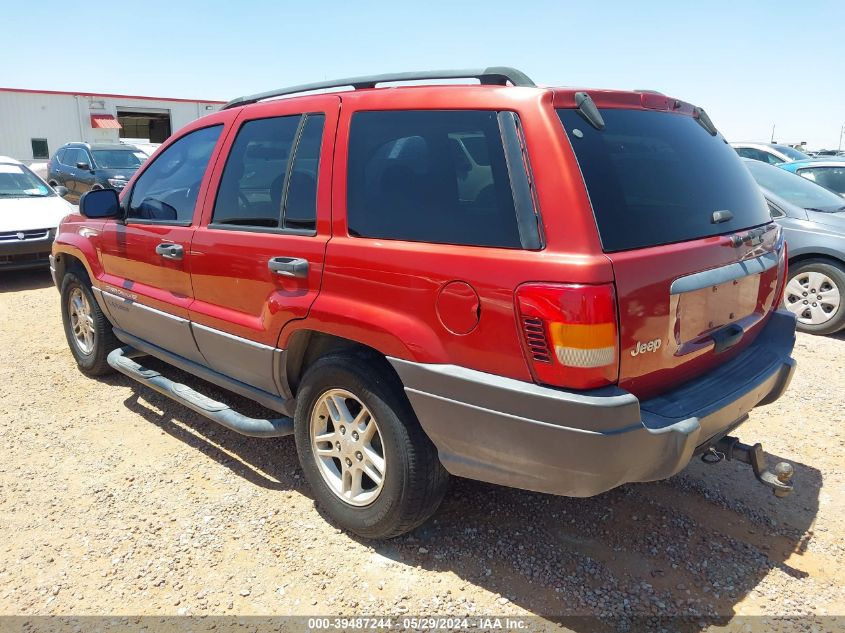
x=30, y=211
x=813, y=220
x=771, y=153
x=39, y=168
x=146, y=148
x=827, y=172
x=522, y=285
x=82, y=167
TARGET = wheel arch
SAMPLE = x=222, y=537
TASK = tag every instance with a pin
x=833, y=258
x=306, y=346
x=73, y=249
x=66, y=262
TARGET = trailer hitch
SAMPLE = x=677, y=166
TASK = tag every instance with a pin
x=730, y=448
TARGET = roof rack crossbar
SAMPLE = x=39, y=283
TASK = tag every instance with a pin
x=494, y=75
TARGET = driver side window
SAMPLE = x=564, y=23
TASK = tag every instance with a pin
x=167, y=190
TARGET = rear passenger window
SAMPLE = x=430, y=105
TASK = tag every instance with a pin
x=300, y=210
x=430, y=176
x=260, y=187
x=253, y=181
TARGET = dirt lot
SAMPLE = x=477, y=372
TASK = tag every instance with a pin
x=114, y=500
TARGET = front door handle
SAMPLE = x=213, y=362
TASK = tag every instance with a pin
x=289, y=266
x=170, y=251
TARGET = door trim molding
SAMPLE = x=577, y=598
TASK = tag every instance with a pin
x=233, y=337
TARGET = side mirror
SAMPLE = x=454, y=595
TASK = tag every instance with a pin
x=84, y=166
x=100, y=203
x=62, y=191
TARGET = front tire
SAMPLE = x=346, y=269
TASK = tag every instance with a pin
x=89, y=333
x=368, y=461
x=815, y=293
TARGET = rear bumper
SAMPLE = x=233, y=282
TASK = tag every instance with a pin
x=580, y=444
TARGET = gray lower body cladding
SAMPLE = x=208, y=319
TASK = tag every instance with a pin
x=580, y=444
x=202, y=349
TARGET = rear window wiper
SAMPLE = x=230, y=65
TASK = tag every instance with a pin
x=587, y=109
x=704, y=121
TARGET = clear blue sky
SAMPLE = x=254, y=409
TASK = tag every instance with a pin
x=751, y=64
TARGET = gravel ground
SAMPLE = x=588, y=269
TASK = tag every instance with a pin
x=114, y=500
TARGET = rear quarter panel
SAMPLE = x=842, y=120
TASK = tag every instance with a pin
x=804, y=237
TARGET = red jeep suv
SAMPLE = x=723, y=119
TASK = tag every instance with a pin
x=554, y=289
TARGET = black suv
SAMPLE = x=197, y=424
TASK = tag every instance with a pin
x=81, y=167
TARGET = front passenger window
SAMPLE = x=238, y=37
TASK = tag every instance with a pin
x=167, y=191
x=72, y=157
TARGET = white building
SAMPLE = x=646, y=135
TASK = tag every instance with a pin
x=35, y=123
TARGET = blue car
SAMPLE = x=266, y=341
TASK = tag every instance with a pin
x=827, y=172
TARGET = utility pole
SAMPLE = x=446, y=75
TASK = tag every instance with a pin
x=841, y=132
x=773, y=134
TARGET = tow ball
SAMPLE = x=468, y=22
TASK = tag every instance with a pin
x=730, y=448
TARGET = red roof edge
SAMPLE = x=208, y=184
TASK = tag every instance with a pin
x=105, y=94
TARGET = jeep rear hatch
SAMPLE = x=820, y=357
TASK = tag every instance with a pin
x=695, y=256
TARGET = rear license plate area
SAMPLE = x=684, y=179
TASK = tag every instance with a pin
x=699, y=312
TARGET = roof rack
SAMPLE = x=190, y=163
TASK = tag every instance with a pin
x=494, y=75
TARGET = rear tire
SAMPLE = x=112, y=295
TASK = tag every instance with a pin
x=413, y=481
x=89, y=333
x=821, y=284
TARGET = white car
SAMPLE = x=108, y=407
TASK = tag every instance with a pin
x=772, y=153
x=30, y=211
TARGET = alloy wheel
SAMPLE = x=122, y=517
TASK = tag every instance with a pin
x=347, y=447
x=81, y=321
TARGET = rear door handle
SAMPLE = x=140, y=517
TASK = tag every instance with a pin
x=289, y=266
x=170, y=251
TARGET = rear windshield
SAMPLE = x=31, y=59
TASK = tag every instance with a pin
x=791, y=152
x=657, y=177
x=798, y=190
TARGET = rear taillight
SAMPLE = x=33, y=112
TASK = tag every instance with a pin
x=569, y=333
